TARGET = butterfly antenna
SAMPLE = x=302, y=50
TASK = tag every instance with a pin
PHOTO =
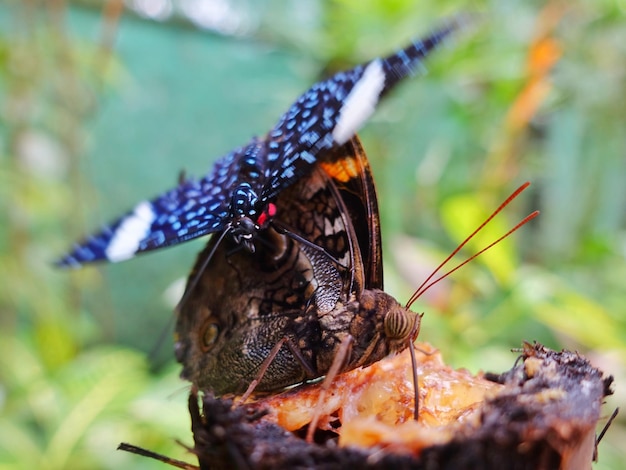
x=427, y=284
x=153, y=355
x=193, y=281
x=285, y=230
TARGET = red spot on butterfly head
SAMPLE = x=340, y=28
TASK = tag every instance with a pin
x=266, y=215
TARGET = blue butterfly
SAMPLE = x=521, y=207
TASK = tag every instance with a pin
x=236, y=196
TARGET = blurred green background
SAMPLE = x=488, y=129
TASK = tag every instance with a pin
x=103, y=105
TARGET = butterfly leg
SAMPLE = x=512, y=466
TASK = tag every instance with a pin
x=343, y=353
x=294, y=349
x=156, y=456
x=427, y=353
x=603, y=432
x=182, y=177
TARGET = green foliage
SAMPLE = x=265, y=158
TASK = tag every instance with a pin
x=534, y=92
x=67, y=397
x=71, y=417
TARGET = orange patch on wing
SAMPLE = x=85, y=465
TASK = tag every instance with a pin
x=342, y=170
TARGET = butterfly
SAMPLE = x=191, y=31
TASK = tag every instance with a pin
x=237, y=197
x=288, y=306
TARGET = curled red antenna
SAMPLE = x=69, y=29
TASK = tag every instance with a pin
x=427, y=284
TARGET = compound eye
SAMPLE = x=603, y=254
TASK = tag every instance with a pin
x=398, y=324
x=209, y=334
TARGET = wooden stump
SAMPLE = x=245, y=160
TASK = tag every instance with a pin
x=541, y=414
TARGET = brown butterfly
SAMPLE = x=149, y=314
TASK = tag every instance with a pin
x=281, y=316
x=278, y=316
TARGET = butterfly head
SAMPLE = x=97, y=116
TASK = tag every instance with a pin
x=249, y=215
x=401, y=326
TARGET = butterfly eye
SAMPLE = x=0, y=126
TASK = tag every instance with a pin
x=209, y=334
x=399, y=324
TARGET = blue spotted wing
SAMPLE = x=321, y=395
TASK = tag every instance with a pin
x=190, y=210
x=333, y=110
x=237, y=194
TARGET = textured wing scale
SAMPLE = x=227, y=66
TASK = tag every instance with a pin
x=326, y=116
x=332, y=111
x=350, y=171
x=250, y=301
x=192, y=209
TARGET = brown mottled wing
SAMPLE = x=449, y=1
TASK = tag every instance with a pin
x=350, y=170
x=244, y=303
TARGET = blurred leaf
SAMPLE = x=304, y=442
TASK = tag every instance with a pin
x=569, y=313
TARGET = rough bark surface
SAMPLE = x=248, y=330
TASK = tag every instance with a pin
x=543, y=418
